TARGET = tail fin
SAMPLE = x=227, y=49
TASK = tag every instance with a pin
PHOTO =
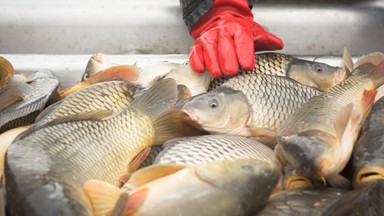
x=377, y=76
x=373, y=58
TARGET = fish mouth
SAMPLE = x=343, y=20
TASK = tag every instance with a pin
x=368, y=175
x=298, y=182
x=191, y=116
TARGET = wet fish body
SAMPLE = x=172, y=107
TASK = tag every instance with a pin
x=232, y=187
x=248, y=104
x=310, y=73
x=208, y=148
x=368, y=153
x=114, y=96
x=318, y=139
x=42, y=85
x=47, y=168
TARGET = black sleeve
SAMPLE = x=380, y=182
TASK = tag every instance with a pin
x=194, y=9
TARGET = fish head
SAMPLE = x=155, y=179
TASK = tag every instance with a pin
x=311, y=152
x=41, y=74
x=6, y=71
x=219, y=111
x=96, y=63
x=250, y=181
x=316, y=74
x=197, y=82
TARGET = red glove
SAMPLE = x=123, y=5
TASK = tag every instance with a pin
x=227, y=36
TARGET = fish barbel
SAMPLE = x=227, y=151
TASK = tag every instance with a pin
x=46, y=168
x=318, y=138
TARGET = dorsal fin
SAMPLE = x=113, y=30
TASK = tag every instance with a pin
x=154, y=172
x=347, y=63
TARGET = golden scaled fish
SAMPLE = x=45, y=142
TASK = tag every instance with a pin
x=249, y=105
x=45, y=169
x=368, y=153
x=6, y=71
x=310, y=73
x=226, y=187
x=318, y=138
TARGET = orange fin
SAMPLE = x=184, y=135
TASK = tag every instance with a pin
x=139, y=159
x=6, y=71
x=153, y=172
x=342, y=120
x=120, y=72
x=103, y=196
x=368, y=100
x=135, y=201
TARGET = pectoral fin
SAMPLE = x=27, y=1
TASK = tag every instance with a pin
x=153, y=172
x=103, y=196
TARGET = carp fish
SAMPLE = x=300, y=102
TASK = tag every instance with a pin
x=249, y=105
x=368, y=153
x=310, y=73
x=225, y=187
x=318, y=138
x=45, y=169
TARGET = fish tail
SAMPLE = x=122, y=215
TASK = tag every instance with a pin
x=120, y=72
x=377, y=76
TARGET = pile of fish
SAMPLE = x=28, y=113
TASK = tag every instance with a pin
x=291, y=137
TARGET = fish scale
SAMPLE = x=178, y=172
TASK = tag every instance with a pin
x=201, y=149
x=338, y=96
x=95, y=97
x=47, y=166
x=264, y=92
x=265, y=63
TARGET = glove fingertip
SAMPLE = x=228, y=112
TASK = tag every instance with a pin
x=196, y=59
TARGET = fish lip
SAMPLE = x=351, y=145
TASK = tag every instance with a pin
x=294, y=182
x=191, y=116
x=368, y=175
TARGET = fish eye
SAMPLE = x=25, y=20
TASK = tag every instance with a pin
x=318, y=68
x=85, y=77
x=213, y=103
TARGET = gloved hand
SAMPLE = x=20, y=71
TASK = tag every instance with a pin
x=226, y=37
